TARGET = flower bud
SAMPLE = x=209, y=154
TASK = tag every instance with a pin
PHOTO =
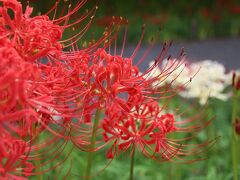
x=237, y=126
x=236, y=81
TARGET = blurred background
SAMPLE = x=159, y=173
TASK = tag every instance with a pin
x=207, y=29
x=167, y=20
x=176, y=20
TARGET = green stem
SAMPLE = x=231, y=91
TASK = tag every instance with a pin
x=38, y=169
x=132, y=165
x=92, y=145
x=174, y=171
x=234, y=137
x=38, y=162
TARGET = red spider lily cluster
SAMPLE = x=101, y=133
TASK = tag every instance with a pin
x=64, y=95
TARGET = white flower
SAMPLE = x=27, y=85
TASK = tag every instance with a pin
x=208, y=78
x=210, y=81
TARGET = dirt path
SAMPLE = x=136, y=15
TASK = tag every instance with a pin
x=226, y=51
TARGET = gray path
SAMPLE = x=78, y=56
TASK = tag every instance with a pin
x=226, y=51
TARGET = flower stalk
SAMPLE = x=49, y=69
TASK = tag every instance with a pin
x=38, y=169
x=92, y=145
x=37, y=162
x=235, y=138
x=131, y=177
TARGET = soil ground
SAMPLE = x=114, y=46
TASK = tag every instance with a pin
x=225, y=51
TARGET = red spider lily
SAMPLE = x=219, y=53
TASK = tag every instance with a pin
x=31, y=93
x=108, y=79
x=147, y=128
x=133, y=119
x=61, y=95
x=24, y=84
x=144, y=128
x=24, y=112
x=24, y=98
x=17, y=84
x=14, y=73
x=112, y=84
x=20, y=119
x=13, y=157
x=35, y=37
x=32, y=37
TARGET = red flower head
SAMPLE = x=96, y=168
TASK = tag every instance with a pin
x=13, y=156
x=129, y=102
x=17, y=79
x=103, y=80
x=148, y=128
x=31, y=37
x=13, y=75
x=145, y=128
